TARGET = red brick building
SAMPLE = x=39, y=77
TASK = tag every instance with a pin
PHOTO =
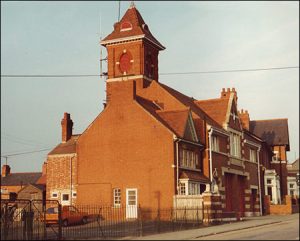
x=13, y=183
x=154, y=146
x=275, y=133
x=62, y=166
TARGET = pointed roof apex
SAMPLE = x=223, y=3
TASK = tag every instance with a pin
x=131, y=27
x=132, y=5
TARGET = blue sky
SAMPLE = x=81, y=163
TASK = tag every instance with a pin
x=63, y=38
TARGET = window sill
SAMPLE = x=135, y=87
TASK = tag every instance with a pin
x=190, y=169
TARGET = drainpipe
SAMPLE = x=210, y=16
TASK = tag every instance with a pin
x=177, y=140
x=259, y=187
x=210, y=156
x=71, y=179
x=177, y=165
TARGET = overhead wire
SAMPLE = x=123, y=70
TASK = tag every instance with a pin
x=170, y=73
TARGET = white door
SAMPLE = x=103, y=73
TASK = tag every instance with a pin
x=65, y=198
x=131, y=203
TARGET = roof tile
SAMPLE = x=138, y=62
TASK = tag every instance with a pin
x=274, y=131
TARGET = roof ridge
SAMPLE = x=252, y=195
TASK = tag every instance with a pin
x=192, y=104
x=206, y=100
x=271, y=119
x=174, y=111
x=25, y=172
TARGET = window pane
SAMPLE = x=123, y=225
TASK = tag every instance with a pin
x=65, y=197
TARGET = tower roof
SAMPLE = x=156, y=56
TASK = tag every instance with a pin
x=131, y=26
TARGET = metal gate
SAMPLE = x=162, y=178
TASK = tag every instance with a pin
x=25, y=220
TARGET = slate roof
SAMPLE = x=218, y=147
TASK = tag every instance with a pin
x=275, y=131
x=139, y=28
x=17, y=179
x=68, y=147
x=294, y=167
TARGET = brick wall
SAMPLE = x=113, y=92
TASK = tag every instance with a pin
x=288, y=207
x=125, y=147
x=58, y=175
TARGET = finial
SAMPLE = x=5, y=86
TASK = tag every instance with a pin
x=132, y=5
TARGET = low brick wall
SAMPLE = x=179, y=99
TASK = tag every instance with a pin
x=289, y=206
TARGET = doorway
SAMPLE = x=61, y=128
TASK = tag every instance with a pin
x=65, y=199
x=131, y=203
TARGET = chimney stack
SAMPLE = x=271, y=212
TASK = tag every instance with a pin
x=226, y=93
x=67, y=127
x=44, y=168
x=5, y=170
x=244, y=118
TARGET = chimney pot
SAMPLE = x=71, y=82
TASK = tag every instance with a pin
x=67, y=127
x=228, y=89
x=5, y=170
x=44, y=168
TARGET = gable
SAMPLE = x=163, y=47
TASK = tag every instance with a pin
x=232, y=118
x=190, y=131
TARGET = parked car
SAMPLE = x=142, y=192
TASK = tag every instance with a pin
x=69, y=215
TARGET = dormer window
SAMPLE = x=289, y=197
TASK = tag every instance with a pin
x=126, y=26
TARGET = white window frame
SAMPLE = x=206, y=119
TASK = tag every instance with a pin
x=194, y=188
x=252, y=155
x=188, y=159
x=235, y=145
x=182, y=188
x=189, y=188
x=215, y=144
x=54, y=193
x=117, y=197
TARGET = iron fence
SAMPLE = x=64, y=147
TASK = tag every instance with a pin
x=48, y=220
x=23, y=220
x=106, y=222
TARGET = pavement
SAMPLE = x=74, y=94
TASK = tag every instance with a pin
x=247, y=222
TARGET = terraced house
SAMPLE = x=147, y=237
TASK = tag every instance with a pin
x=156, y=147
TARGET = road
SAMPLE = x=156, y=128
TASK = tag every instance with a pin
x=286, y=230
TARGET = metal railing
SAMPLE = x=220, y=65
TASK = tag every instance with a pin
x=25, y=220
x=106, y=222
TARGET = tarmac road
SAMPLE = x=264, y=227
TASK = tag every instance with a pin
x=271, y=227
x=286, y=230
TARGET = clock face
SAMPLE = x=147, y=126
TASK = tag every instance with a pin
x=125, y=62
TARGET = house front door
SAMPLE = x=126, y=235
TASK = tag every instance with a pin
x=131, y=203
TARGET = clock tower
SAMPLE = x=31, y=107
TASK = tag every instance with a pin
x=132, y=51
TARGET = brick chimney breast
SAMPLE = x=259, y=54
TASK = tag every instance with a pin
x=67, y=127
x=5, y=170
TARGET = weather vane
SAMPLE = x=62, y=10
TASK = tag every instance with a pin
x=132, y=5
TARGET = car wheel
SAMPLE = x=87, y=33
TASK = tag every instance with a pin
x=65, y=223
x=84, y=220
